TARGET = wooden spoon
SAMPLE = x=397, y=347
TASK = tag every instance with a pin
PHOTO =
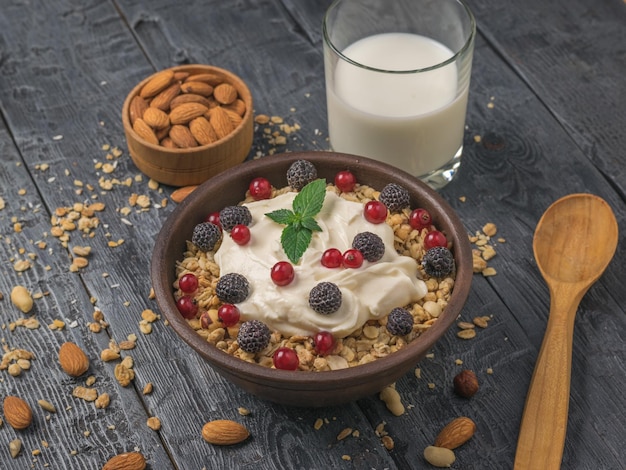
x=573, y=244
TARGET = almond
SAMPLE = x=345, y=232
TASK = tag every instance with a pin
x=221, y=122
x=144, y=131
x=162, y=133
x=182, y=136
x=137, y=107
x=186, y=112
x=167, y=142
x=202, y=130
x=225, y=93
x=189, y=98
x=181, y=193
x=224, y=432
x=17, y=412
x=159, y=82
x=456, y=433
x=198, y=88
x=237, y=106
x=73, y=360
x=235, y=118
x=126, y=461
x=162, y=100
x=181, y=76
x=156, y=118
x=210, y=78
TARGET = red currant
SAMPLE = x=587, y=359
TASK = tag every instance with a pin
x=345, y=181
x=332, y=258
x=434, y=238
x=228, y=314
x=324, y=343
x=375, y=212
x=187, y=307
x=240, y=234
x=352, y=258
x=419, y=219
x=282, y=273
x=188, y=283
x=214, y=218
x=260, y=188
x=286, y=359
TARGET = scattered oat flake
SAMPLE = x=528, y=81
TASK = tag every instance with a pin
x=344, y=433
x=57, y=137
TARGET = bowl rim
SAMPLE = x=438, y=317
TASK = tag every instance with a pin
x=300, y=380
x=237, y=82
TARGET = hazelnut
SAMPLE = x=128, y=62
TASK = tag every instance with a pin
x=465, y=384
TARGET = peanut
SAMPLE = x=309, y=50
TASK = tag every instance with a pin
x=22, y=299
x=391, y=397
x=439, y=456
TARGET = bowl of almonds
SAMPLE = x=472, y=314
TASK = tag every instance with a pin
x=186, y=124
x=312, y=278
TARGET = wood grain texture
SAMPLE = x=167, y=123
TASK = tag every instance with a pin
x=546, y=100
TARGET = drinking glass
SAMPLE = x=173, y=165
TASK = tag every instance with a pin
x=397, y=77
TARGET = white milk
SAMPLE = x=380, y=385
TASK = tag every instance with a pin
x=413, y=121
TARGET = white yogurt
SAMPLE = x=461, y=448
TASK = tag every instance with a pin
x=369, y=292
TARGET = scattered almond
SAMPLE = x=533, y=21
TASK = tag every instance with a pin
x=126, y=461
x=224, y=432
x=180, y=194
x=73, y=360
x=456, y=433
x=17, y=412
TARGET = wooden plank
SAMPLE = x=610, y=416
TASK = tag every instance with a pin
x=573, y=58
x=69, y=77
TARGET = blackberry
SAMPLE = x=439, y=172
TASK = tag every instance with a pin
x=232, y=288
x=253, y=336
x=301, y=173
x=205, y=236
x=325, y=298
x=438, y=262
x=399, y=322
x=234, y=215
x=395, y=197
x=370, y=245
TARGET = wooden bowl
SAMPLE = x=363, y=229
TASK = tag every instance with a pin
x=192, y=165
x=300, y=388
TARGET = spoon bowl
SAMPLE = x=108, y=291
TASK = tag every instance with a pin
x=574, y=242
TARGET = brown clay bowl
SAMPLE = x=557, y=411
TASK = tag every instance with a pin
x=192, y=165
x=300, y=388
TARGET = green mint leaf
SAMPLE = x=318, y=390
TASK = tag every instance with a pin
x=282, y=216
x=311, y=224
x=300, y=223
x=295, y=242
x=310, y=199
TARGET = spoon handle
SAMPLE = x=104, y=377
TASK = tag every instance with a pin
x=544, y=421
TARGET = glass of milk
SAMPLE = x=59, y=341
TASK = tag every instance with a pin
x=397, y=79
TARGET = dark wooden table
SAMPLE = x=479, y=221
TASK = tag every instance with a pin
x=547, y=117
